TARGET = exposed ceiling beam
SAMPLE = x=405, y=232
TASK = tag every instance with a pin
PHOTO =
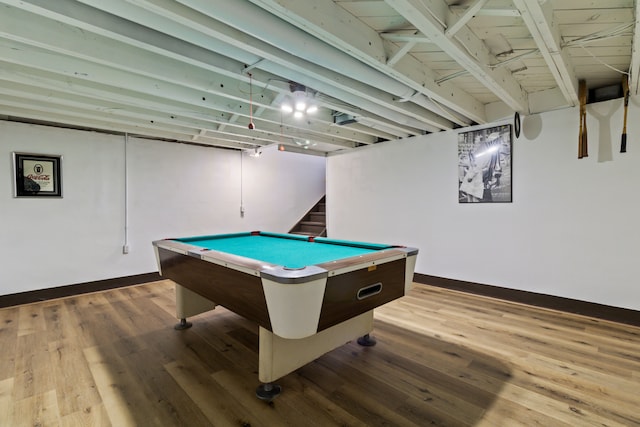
x=466, y=16
x=300, y=150
x=102, y=123
x=102, y=83
x=544, y=30
x=298, y=63
x=344, y=73
x=193, y=48
x=396, y=56
x=378, y=70
x=317, y=19
x=334, y=22
x=501, y=11
x=431, y=17
x=132, y=100
x=402, y=37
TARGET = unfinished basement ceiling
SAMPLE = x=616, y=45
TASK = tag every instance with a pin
x=202, y=71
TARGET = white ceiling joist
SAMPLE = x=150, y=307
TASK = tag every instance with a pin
x=132, y=92
x=431, y=18
x=200, y=70
x=319, y=75
x=402, y=37
x=469, y=13
x=544, y=30
x=332, y=21
x=229, y=67
x=311, y=54
x=312, y=18
x=393, y=59
x=103, y=123
x=498, y=11
x=83, y=78
x=162, y=44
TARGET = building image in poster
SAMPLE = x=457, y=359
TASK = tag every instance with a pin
x=484, y=165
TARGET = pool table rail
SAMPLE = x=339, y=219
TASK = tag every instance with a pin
x=347, y=265
x=236, y=262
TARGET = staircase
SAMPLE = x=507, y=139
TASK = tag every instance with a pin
x=314, y=223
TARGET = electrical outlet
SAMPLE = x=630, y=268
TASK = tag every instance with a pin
x=125, y=249
x=241, y=211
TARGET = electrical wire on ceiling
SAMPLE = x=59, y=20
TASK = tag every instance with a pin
x=602, y=62
x=515, y=58
x=618, y=31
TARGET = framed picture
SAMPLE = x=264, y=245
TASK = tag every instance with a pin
x=484, y=165
x=37, y=175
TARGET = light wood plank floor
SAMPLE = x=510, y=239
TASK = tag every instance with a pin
x=443, y=358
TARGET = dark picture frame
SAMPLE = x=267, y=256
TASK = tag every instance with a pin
x=37, y=175
x=484, y=165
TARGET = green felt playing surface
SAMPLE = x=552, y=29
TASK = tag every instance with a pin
x=287, y=250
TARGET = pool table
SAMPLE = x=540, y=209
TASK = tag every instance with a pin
x=308, y=295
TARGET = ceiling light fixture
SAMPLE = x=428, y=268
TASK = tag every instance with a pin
x=256, y=152
x=300, y=102
x=305, y=144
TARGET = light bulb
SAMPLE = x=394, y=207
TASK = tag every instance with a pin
x=287, y=108
x=301, y=105
x=312, y=109
x=300, y=100
x=298, y=114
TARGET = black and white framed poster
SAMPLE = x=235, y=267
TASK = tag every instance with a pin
x=37, y=175
x=484, y=165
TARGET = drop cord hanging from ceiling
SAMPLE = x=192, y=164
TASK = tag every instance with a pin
x=241, y=197
x=251, y=125
x=125, y=247
x=280, y=144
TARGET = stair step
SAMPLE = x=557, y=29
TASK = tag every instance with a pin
x=313, y=223
x=312, y=228
x=317, y=216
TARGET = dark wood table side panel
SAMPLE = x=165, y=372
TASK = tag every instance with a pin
x=239, y=292
x=340, y=298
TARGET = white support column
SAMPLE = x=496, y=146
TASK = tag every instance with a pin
x=189, y=304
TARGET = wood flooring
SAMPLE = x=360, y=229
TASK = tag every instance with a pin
x=443, y=358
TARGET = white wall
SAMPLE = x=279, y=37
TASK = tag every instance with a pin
x=571, y=231
x=173, y=190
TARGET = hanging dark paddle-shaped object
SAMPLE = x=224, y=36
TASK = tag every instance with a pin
x=582, y=136
x=625, y=92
